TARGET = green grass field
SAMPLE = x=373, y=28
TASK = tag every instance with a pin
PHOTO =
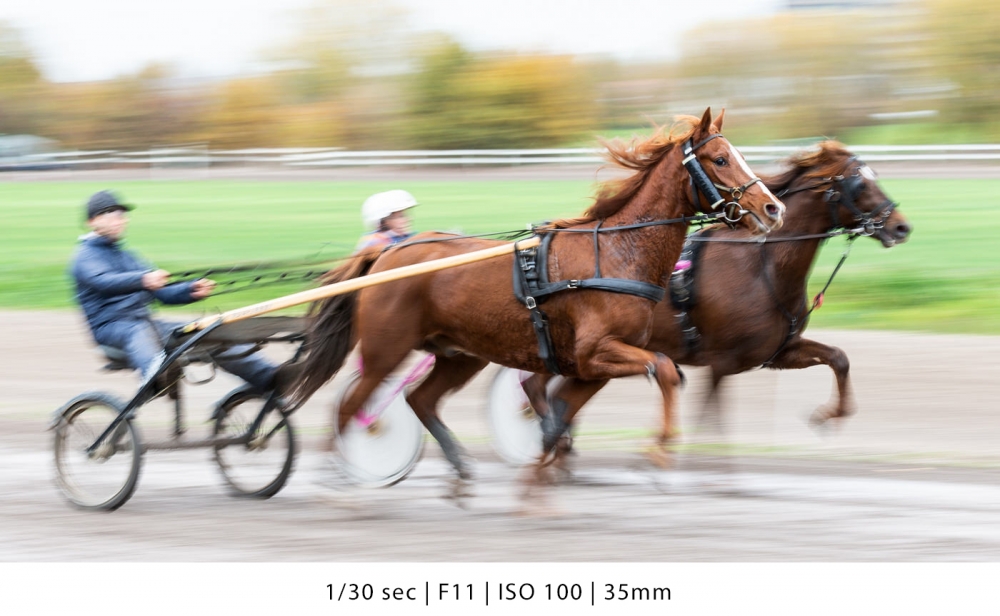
x=946, y=279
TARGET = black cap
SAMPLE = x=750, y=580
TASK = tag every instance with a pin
x=105, y=201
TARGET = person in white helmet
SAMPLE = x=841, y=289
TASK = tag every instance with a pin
x=385, y=217
x=386, y=223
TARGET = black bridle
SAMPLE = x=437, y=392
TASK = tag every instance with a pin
x=731, y=211
x=843, y=192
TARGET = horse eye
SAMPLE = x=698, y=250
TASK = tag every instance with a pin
x=720, y=162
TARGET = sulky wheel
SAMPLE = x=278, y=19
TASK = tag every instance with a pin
x=259, y=467
x=107, y=477
x=384, y=442
x=516, y=428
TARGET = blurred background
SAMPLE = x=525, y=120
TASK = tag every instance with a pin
x=397, y=74
x=168, y=92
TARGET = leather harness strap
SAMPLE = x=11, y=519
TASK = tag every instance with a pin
x=532, y=287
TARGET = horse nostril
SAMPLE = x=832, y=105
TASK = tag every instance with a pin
x=901, y=230
x=772, y=210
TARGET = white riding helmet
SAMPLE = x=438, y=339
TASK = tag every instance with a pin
x=382, y=204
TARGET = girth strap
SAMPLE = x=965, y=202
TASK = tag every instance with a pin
x=614, y=285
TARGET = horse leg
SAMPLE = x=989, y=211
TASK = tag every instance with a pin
x=557, y=443
x=563, y=405
x=376, y=367
x=565, y=401
x=535, y=388
x=448, y=374
x=710, y=416
x=803, y=353
x=614, y=358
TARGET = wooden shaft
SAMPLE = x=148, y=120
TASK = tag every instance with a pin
x=355, y=284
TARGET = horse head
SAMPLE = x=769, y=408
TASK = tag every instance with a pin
x=862, y=202
x=724, y=181
x=850, y=189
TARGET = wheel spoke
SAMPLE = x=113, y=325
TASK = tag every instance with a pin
x=262, y=465
x=103, y=481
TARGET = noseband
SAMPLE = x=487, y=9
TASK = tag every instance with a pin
x=732, y=212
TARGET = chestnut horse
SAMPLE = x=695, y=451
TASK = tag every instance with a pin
x=469, y=316
x=749, y=305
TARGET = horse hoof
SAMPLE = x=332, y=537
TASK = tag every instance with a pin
x=563, y=476
x=460, y=490
x=535, y=503
x=821, y=421
x=560, y=471
x=818, y=418
x=465, y=468
x=660, y=458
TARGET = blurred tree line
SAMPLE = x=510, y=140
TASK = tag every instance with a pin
x=360, y=78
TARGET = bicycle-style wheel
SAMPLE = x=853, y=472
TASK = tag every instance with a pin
x=384, y=442
x=516, y=428
x=105, y=478
x=260, y=467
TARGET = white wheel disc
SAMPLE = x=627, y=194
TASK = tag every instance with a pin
x=381, y=451
x=517, y=431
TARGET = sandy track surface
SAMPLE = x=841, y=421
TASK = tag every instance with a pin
x=912, y=477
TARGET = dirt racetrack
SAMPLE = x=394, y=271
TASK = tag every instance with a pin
x=912, y=477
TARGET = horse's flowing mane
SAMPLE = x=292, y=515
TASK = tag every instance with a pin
x=826, y=160
x=641, y=156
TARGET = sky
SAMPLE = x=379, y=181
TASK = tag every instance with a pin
x=82, y=40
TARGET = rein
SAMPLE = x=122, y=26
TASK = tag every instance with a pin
x=269, y=273
x=793, y=321
x=696, y=219
x=259, y=274
x=854, y=233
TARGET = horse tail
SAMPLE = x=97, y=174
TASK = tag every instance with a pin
x=330, y=336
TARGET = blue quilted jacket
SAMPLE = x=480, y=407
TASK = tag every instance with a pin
x=109, y=283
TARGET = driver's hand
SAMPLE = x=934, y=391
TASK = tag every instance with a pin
x=202, y=288
x=155, y=280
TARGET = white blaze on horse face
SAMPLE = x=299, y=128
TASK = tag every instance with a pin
x=746, y=169
x=867, y=173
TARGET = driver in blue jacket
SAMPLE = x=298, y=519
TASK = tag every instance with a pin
x=114, y=287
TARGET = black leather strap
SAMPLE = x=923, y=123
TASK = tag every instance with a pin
x=683, y=288
x=532, y=287
x=614, y=285
x=526, y=275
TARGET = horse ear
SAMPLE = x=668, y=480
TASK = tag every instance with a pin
x=706, y=121
x=717, y=123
